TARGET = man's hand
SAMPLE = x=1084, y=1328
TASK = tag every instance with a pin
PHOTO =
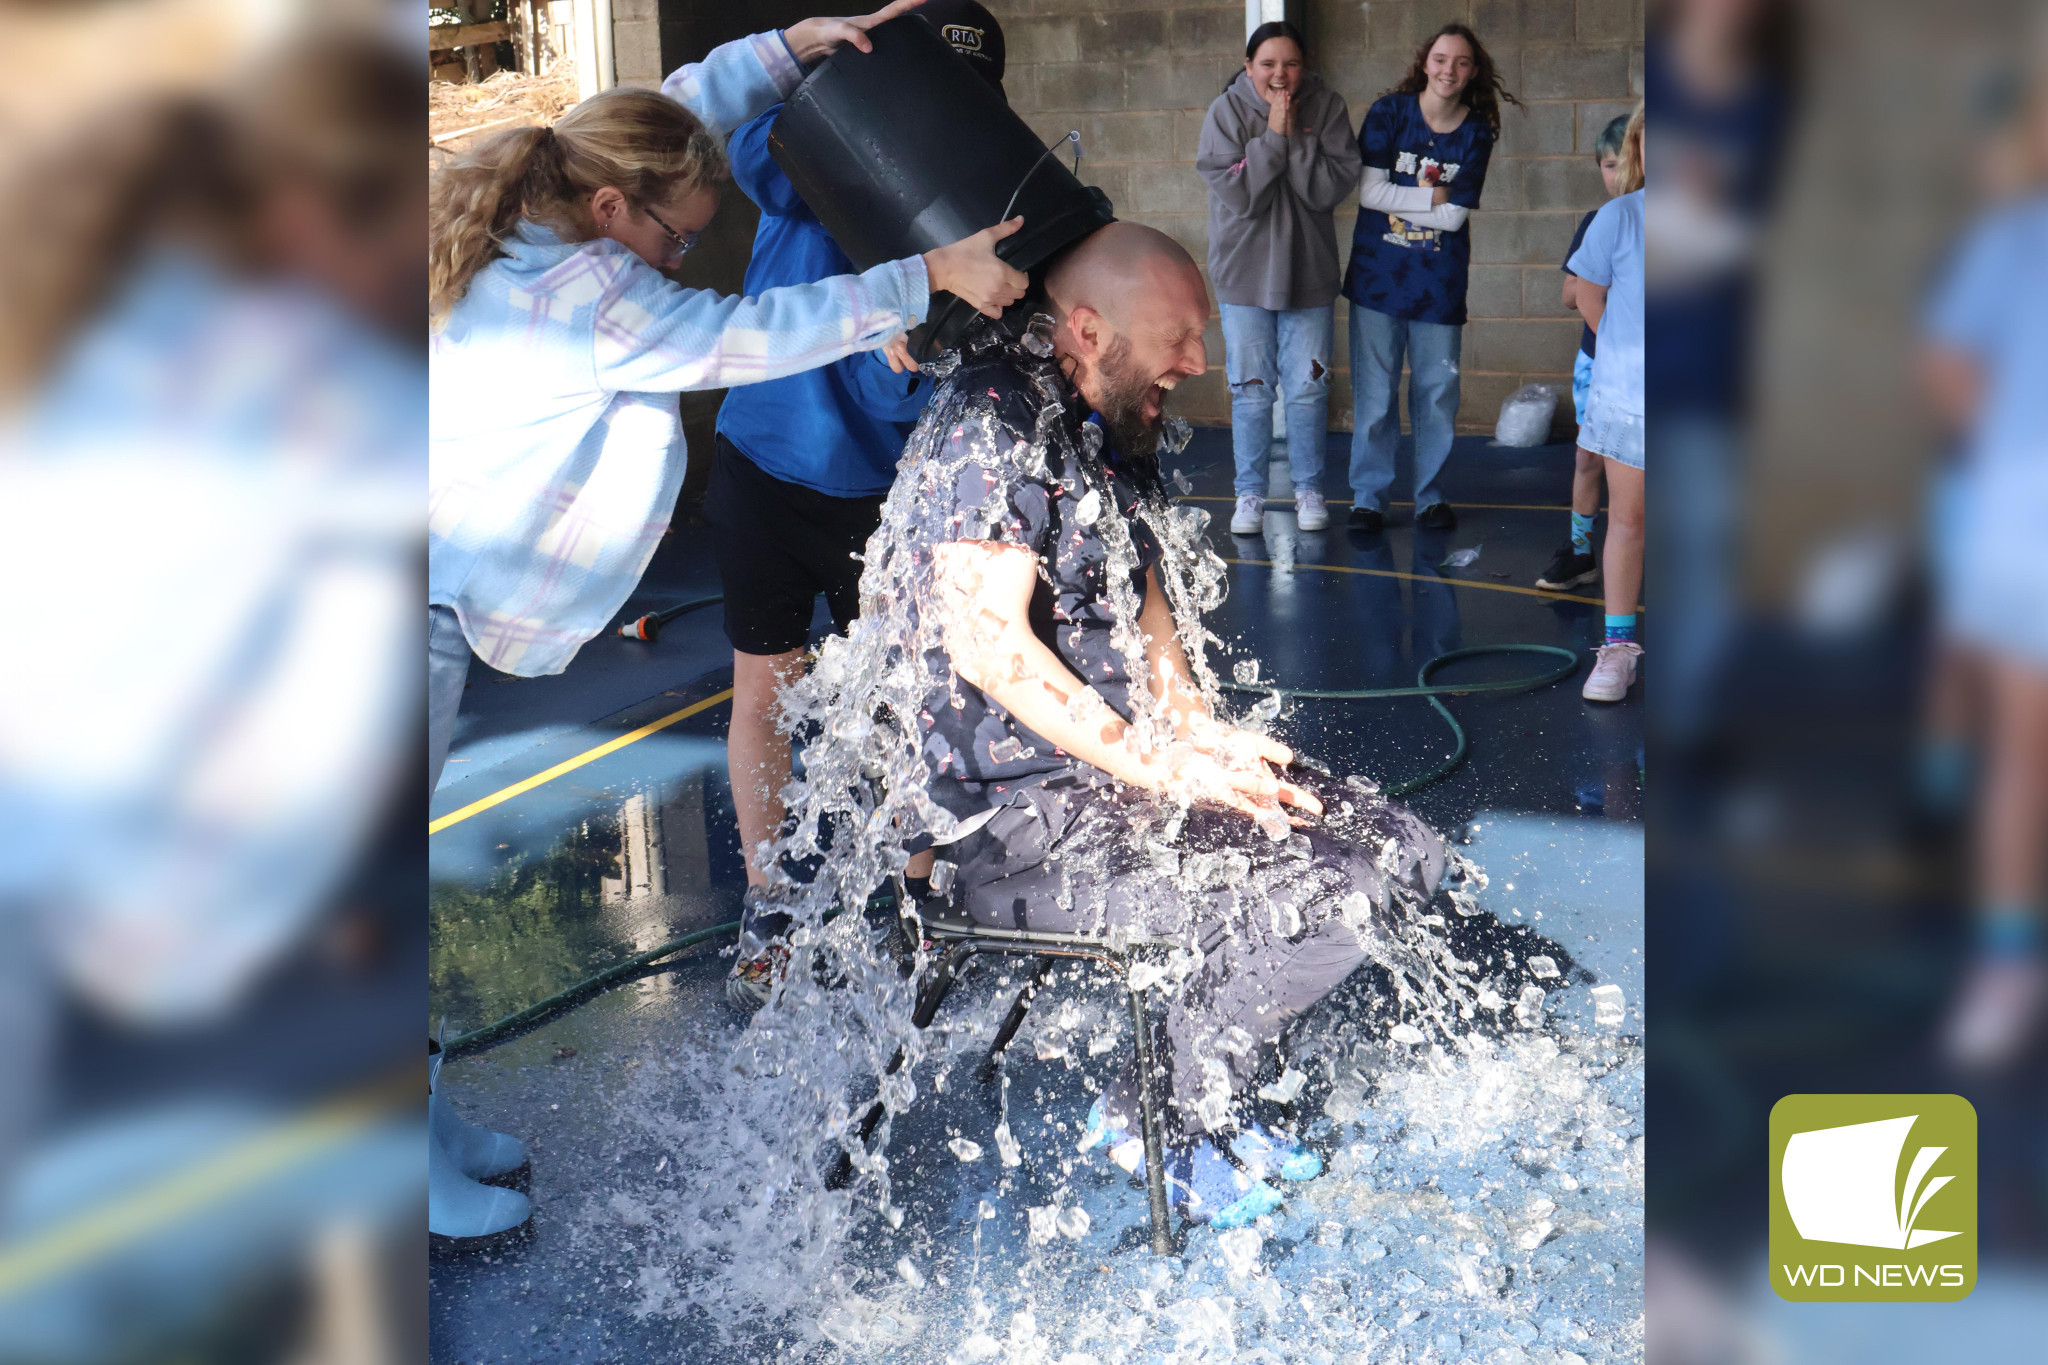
x=970, y=269
x=815, y=39
x=896, y=350
x=1280, y=112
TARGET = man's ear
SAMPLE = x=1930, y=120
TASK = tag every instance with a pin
x=1088, y=330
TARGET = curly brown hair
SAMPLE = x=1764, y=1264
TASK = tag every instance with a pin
x=1482, y=96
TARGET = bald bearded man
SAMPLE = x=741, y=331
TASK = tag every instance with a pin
x=1038, y=489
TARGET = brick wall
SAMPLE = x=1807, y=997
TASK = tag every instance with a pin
x=1136, y=78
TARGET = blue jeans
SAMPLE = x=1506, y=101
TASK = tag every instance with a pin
x=1286, y=354
x=447, y=673
x=1377, y=345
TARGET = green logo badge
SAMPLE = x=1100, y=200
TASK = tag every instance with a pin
x=1873, y=1198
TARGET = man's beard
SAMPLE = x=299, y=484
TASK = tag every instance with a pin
x=1124, y=391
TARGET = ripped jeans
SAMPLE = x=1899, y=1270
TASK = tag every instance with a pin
x=1270, y=354
x=1378, y=343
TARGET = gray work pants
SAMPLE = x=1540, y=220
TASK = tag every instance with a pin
x=1262, y=918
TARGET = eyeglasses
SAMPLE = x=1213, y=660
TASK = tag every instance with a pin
x=683, y=240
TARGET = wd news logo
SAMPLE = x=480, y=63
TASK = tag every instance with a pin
x=1873, y=1198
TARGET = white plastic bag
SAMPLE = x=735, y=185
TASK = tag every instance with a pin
x=1525, y=416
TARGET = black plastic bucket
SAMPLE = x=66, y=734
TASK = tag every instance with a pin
x=907, y=148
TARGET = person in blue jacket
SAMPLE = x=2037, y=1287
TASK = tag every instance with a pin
x=798, y=476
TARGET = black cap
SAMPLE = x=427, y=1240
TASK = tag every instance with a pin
x=973, y=32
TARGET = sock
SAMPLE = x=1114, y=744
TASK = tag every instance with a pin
x=2008, y=932
x=1620, y=628
x=1582, y=533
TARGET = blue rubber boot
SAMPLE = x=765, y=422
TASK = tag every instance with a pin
x=461, y=1209
x=477, y=1152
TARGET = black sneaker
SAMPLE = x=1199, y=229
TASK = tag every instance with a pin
x=1438, y=516
x=1568, y=569
x=1366, y=519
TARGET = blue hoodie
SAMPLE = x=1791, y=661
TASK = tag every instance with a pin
x=838, y=429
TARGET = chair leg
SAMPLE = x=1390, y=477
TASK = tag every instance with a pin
x=1148, y=1114
x=1014, y=1020
x=944, y=973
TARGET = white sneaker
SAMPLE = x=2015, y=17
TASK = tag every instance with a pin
x=1311, y=513
x=1250, y=518
x=1614, y=672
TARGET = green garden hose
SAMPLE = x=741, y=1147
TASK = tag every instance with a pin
x=1423, y=688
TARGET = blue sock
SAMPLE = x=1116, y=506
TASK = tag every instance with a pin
x=1582, y=533
x=1621, y=628
x=2008, y=932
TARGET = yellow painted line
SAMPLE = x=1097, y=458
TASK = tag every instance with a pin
x=156, y=1205
x=1346, y=502
x=570, y=765
x=1428, y=578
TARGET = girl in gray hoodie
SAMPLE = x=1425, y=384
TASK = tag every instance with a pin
x=1279, y=156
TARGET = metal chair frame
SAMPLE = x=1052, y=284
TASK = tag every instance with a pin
x=963, y=941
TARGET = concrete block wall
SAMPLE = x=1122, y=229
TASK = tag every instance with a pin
x=1137, y=77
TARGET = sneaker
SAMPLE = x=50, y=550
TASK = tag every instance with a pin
x=763, y=957
x=1311, y=513
x=1367, y=519
x=1614, y=671
x=1438, y=516
x=1568, y=569
x=1201, y=1182
x=1250, y=517
x=1997, y=1014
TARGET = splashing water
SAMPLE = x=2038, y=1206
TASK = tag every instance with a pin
x=1472, y=1122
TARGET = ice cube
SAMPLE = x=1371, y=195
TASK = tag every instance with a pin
x=1101, y=1043
x=1038, y=334
x=1049, y=1045
x=1072, y=1223
x=1008, y=750
x=942, y=876
x=1174, y=435
x=1461, y=559
x=1608, y=1010
x=1006, y=1145
x=1284, y=1090
x=1145, y=975
x=1240, y=1248
x=1129, y=1154
x=1535, y=1235
x=1407, y=1282
x=1405, y=1033
x=1246, y=671
x=967, y=1149
x=1540, y=967
x=1180, y=481
x=1044, y=1223
x=912, y=1276
x=1371, y=1251
x=1529, y=1008
x=1089, y=510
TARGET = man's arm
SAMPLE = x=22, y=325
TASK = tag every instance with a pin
x=1172, y=681
x=984, y=600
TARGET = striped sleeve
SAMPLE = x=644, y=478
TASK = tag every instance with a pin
x=656, y=337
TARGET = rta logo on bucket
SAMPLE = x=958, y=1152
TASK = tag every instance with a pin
x=1873, y=1198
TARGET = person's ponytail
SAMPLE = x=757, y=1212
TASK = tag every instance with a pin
x=642, y=143
x=475, y=203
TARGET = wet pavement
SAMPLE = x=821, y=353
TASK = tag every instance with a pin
x=539, y=883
